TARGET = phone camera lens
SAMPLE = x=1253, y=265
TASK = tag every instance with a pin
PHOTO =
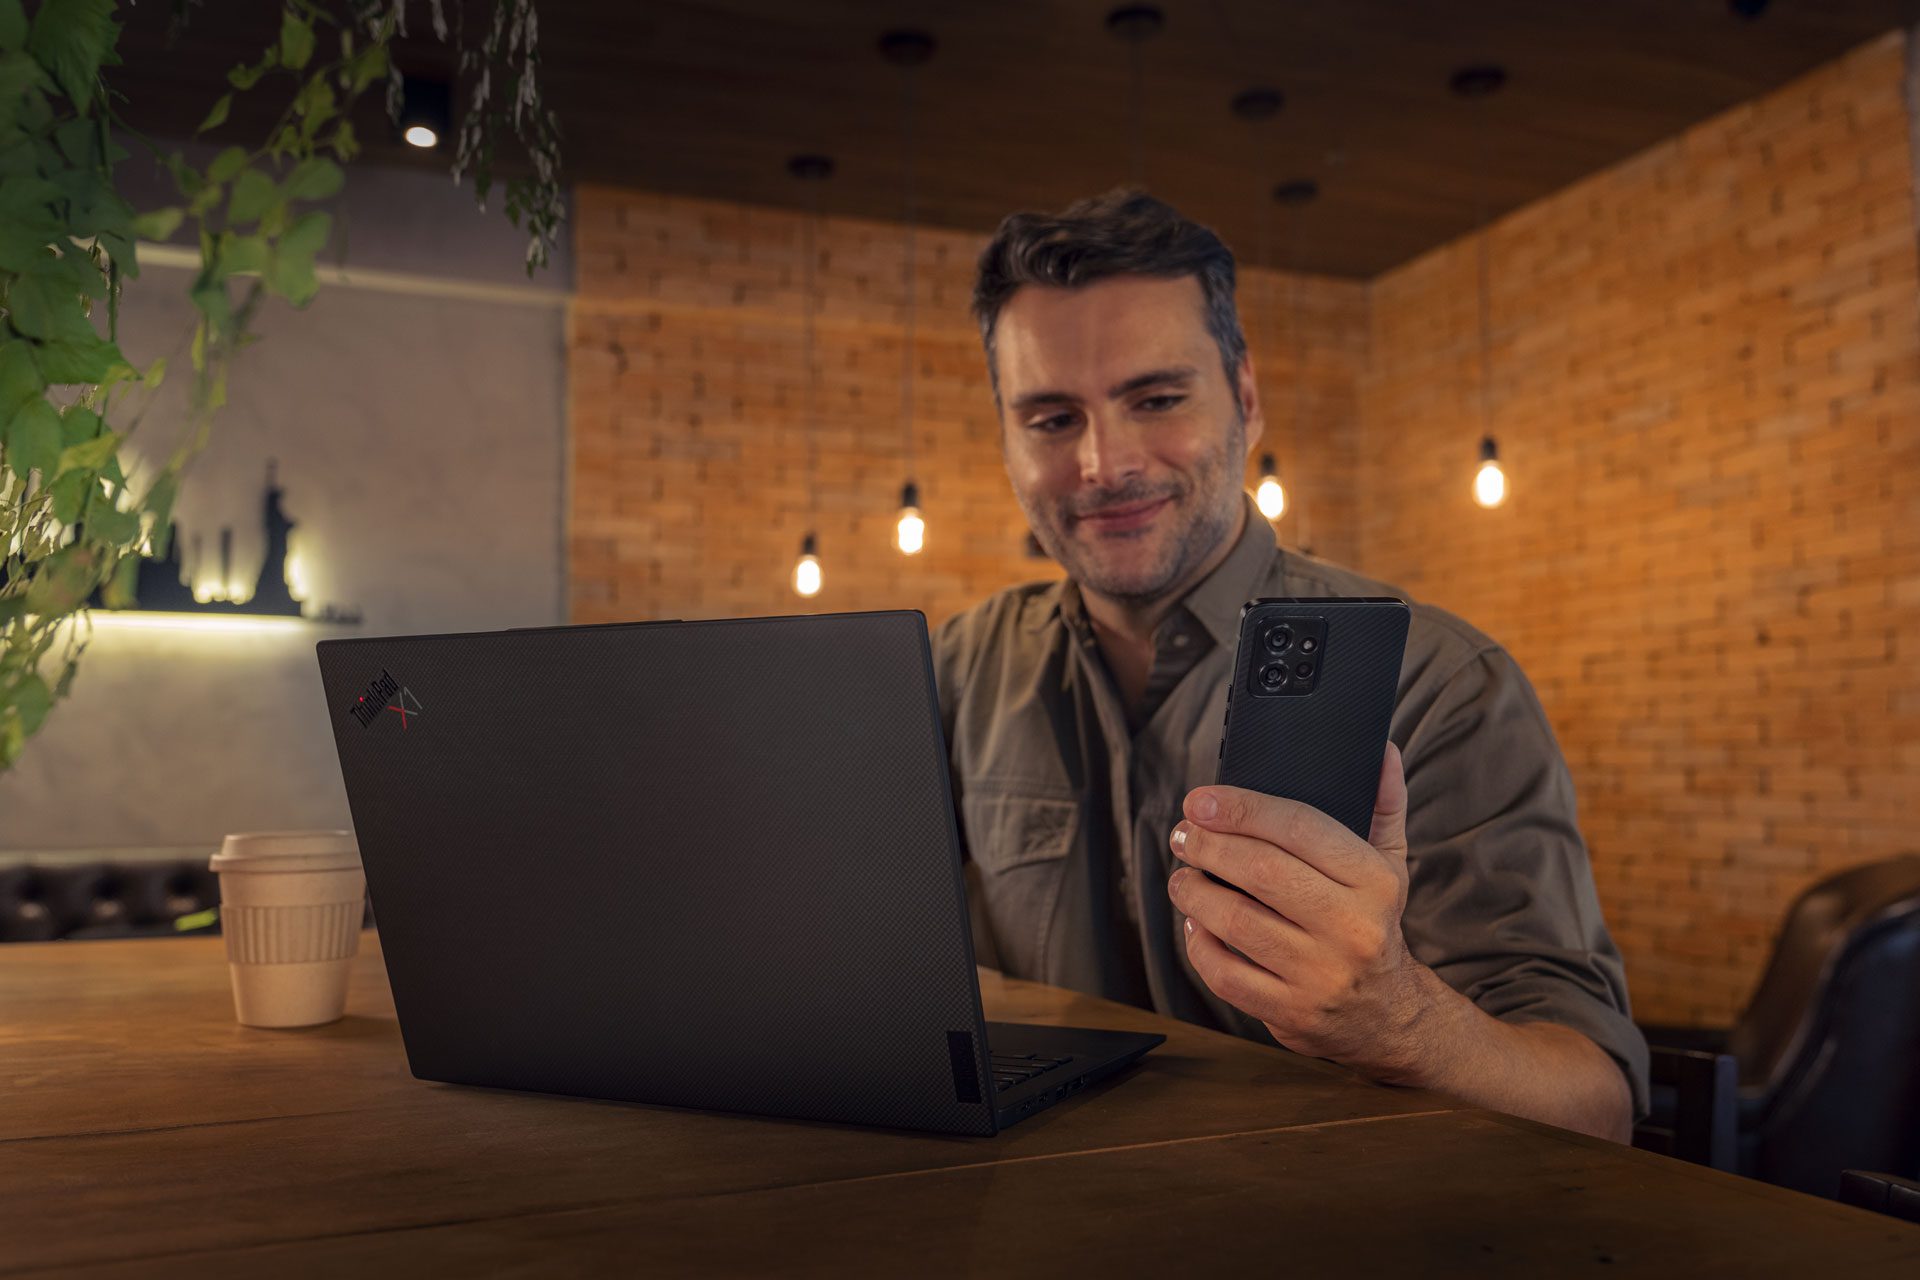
x=1308, y=644
x=1304, y=671
x=1279, y=639
x=1272, y=677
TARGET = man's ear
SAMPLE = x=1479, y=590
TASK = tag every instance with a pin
x=1247, y=391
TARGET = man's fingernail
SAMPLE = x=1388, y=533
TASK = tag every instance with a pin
x=1189, y=926
x=1180, y=838
x=1205, y=806
x=1173, y=881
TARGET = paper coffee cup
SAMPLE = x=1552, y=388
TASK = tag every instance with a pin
x=291, y=903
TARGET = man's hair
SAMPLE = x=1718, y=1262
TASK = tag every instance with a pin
x=1124, y=232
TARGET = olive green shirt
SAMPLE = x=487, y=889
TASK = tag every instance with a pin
x=1067, y=799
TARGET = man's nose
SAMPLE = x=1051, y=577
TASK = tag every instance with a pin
x=1111, y=453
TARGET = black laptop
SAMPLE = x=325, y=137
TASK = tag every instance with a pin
x=705, y=864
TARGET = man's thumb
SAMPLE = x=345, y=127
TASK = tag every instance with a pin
x=1389, y=832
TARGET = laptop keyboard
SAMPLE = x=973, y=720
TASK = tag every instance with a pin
x=1010, y=1069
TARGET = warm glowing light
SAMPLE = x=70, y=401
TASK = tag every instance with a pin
x=1490, y=485
x=421, y=136
x=297, y=581
x=136, y=620
x=910, y=535
x=806, y=576
x=1271, y=498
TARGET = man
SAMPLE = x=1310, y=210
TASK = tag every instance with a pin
x=1461, y=948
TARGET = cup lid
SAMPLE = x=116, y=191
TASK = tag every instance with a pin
x=287, y=851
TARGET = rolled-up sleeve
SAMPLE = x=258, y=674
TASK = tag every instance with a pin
x=1502, y=903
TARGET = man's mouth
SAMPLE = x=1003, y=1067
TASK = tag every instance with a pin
x=1124, y=517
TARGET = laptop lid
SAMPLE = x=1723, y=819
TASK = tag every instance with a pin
x=708, y=864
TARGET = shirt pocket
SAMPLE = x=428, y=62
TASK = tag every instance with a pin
x=1008, y=828
x=1019, y=842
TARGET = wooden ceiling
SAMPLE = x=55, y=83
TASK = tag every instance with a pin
x=1027, y=105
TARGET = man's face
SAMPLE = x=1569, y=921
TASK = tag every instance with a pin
x=1123, y=438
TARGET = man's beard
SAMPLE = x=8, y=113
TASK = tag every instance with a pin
x=1203, y=520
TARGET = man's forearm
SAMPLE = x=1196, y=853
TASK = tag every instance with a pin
x=1538, y=1070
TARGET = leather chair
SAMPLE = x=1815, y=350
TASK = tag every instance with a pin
x=1826, y=1056
x=121, y=893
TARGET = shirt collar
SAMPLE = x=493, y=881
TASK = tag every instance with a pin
x=1215, y=600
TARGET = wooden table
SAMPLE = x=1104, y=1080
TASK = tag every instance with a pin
x=143, y=1132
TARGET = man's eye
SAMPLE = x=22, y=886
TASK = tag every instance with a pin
x=1058, y=422
x=1160, y=404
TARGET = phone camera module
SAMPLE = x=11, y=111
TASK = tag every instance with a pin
x=1308, y=644
x=1280, y=639
x=1304, y=670
x=1273, y=676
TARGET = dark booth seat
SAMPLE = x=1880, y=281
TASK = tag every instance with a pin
x=1822, y=1072
x=104, y=893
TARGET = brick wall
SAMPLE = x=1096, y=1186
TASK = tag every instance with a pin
x=1706, y=378
x=1707, y=367
x=689, y=476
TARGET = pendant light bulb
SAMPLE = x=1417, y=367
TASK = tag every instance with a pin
x=1490, y=483
x=1270, y=497
x=806, y=573
x=910, y=534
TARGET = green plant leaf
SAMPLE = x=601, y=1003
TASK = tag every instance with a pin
x=78, y=140
x=70, y=38
x=107, y=523
x=368, y=67
x=28, y=203
x=159, y=504
x=244, y=77
x=158, y=224
x=345, y=145
x=296, y=41
x=19, y=75
x=308, y=234
x=204, y=197
x=33, y=440
x=78, y=425
x=43, y=307
x=64, y=581
x=155, y=374
x=315, y=178
x=118, y=593
x=90, y=360
x=13, y=25
x=70, y=495
x=19, y=380
x=17, y=153
x=253, y=194
x=90, y=456
x=32, y=700
x=291, y=275
x=217, y=116
x=227, y=164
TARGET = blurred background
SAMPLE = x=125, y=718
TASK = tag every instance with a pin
x=1662, y=253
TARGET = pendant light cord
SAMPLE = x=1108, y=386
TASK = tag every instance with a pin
x=813, y=495
x=907, y=212
x=1486, y=277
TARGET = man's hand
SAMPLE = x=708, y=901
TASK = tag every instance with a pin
x=1322, y=960
x=1323, y=964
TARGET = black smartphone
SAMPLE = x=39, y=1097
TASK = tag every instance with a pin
x=1314, y=683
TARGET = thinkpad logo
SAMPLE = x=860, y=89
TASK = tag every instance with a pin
x=383, y=695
